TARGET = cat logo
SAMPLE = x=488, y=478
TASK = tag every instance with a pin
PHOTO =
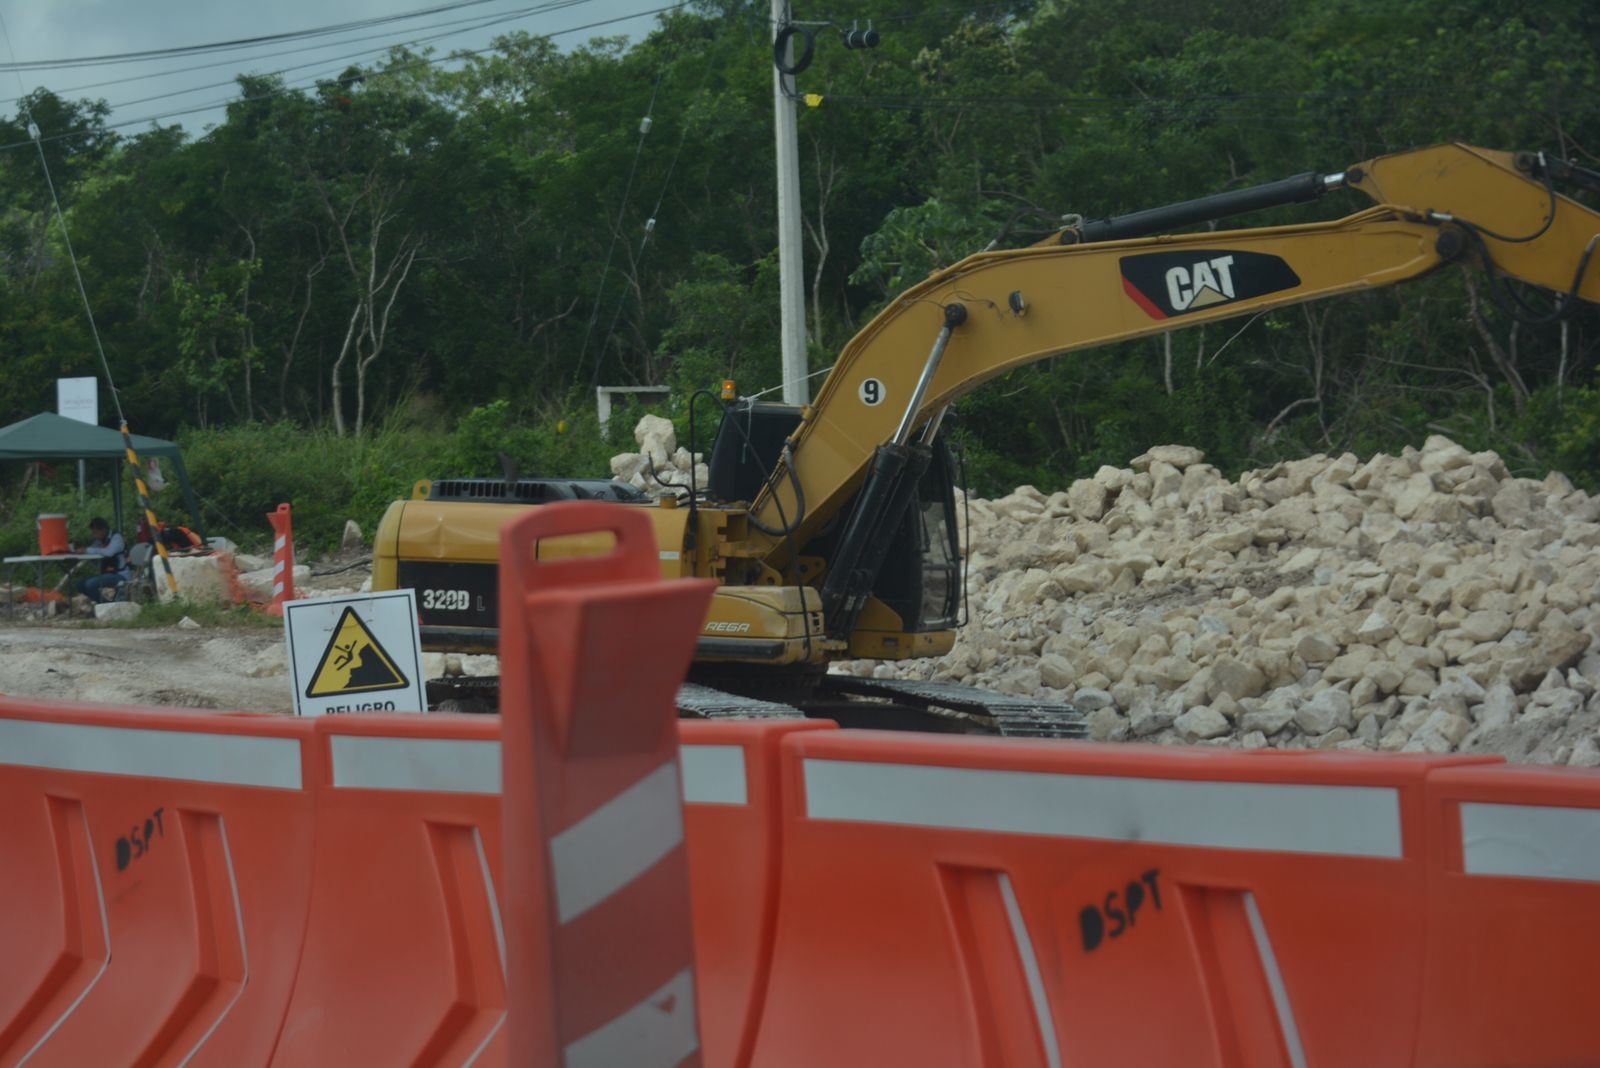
x=1168, y=284
x=1206, y=282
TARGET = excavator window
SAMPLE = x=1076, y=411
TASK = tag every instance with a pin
x=920, y=578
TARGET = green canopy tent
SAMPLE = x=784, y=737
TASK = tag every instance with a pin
x=48, y=436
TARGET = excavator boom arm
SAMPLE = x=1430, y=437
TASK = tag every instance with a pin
x=1434, y=206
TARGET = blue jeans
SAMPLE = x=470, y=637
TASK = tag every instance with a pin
x=91, y=587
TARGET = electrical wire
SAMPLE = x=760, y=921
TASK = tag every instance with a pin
x=342, y=62
x=287, y=89
x=235, y=43
x=88, y=311
x=469, y=25
x=616, y=232
x=655, y=212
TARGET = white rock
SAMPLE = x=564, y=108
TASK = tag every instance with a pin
x=1087, y=499
x=1268, y=719
x=1201, y=722
x=1056, y=671
x=1317, y=648
x=1325, y=712
x=1374, y=629
x=1498, y=708
x=1178, y=456
x=116, y=611
x=1586, y=754
x=1107, y=725
x=1236, y=678
x=201, y=580
x=1147, y=716
x=1089, y=698
x=1486, y=626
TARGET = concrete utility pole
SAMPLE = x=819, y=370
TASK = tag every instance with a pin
x=791, y=281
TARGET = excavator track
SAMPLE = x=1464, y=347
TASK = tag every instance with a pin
x=1011, y=717
x=836, y=697
x=482, y=695
x=697, y=700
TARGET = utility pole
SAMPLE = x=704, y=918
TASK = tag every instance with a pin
x=791, y=281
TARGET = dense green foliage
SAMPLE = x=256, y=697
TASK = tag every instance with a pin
x=418, y=267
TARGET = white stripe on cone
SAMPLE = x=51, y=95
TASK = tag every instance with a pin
x=617, y=842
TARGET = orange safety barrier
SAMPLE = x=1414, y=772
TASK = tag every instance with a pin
x=732, y=824
x=1513, y=918
x=964, y=902
x=405, y=959
x=242, y=891
x=154, y=874
x=600, y=956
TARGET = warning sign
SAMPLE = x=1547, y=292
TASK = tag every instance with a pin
x=355, y=654
x=354, y=662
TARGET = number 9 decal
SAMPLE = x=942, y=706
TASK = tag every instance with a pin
x=871, y=392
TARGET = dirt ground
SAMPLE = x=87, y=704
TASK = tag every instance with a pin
x=233, y=669
x=238, y=668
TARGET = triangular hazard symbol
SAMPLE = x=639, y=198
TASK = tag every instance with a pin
x=354, y=662
x=1206, y=296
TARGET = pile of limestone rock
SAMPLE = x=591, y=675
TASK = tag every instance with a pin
x=661, y=465
x=1423, y=602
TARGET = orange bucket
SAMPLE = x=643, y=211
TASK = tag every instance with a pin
x=53, y=535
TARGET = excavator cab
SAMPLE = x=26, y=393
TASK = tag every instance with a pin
x=920, y=580
x=908, y=555
x=748, y=446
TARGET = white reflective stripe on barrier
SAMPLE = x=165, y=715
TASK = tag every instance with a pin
x=1030, y=968
x=1280, y=993
x=433, y=765
x=1531, y=841
x=659, y=1032
x=1361, y=821
x=617, y=842
x=493, y=895
x=189, y=756
x=712, y=774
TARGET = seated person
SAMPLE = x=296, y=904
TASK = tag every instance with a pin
x=114, y=571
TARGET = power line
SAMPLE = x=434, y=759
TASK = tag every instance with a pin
x=236, y=43
x=341, y=61
x=415, y=64
x=473, y=23
x=622, y=209
x=655, y=212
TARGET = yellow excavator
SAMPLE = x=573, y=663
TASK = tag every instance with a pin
x=831, y=528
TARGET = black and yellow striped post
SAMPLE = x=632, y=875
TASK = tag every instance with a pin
x=149, y=512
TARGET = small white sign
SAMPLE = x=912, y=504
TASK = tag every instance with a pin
x=359, y=653
x=79, y=398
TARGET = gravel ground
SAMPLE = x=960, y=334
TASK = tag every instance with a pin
x=237, y=668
